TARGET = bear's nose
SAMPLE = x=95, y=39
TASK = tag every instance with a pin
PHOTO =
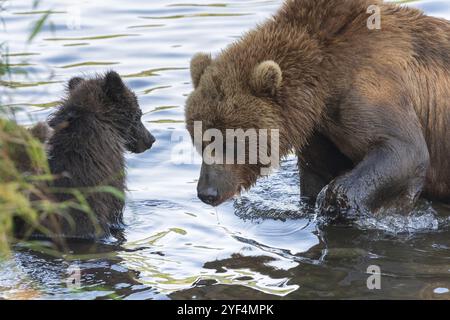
x=152, y=139
x=209, y=196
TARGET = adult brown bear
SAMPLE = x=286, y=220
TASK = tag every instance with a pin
x=366, y=108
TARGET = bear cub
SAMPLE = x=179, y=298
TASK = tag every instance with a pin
x=98, y=121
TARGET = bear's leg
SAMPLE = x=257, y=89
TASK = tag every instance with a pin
x=389, y=179
x=319, y=163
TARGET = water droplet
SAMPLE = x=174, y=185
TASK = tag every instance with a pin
x=441, y=290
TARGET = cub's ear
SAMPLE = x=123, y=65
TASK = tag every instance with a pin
x=74, y=82
x=113, y=84
x=199, y=63
x=266, y=78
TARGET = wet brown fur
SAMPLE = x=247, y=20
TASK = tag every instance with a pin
x=98, y=121
x=377, y=101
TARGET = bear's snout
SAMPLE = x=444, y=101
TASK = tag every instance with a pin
x=215, y=185
x=209, y=196
x=145, y=143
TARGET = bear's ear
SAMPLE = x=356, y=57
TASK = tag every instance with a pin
x=199, y=63
x=266, y=78
x=74, y=82
x=113, y=85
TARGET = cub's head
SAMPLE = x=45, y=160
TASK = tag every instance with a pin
x=107, y=100
x=227, y=115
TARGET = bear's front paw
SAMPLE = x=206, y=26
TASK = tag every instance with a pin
x=340, y=200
